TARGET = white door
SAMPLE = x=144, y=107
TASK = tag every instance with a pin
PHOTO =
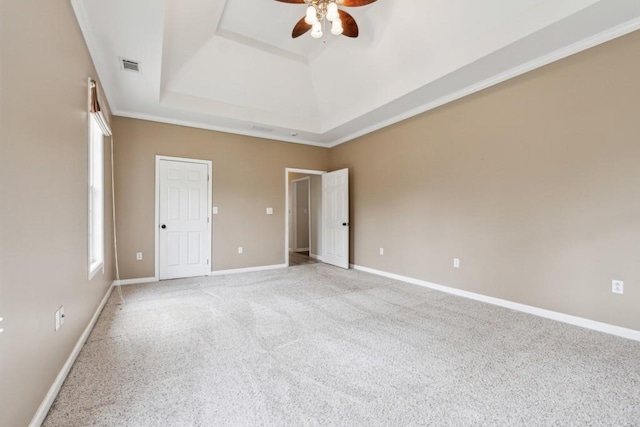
x=184, y=234
x=335, y=218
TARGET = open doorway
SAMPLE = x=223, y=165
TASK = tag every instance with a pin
x=328, y=210
x=304, y=216
x=300, y=222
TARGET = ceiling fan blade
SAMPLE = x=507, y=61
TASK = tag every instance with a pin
x=353, y=3
x=300, y=28
x=292, y=1
x=350, y=28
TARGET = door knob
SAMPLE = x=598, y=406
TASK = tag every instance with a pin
x=345, y=224
x=163, y=226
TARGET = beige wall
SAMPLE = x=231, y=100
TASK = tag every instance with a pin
x=43, y=200
x=534, y=184
x=248, y=177
x=302, y=201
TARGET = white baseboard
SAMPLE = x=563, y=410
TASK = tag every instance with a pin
x=314, y=256
x=554, y=315
x=247, y=270
x=125, y=282
x=43, y=410
x=301, y=250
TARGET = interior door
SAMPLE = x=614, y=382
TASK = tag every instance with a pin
x=335, y=218
x=185, y=239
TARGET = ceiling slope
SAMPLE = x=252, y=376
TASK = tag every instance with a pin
x=220, y=65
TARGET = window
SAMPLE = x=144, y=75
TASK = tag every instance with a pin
x=96, y=197
x=98, y=129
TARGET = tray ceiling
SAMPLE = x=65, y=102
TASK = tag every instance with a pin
x=233, y=66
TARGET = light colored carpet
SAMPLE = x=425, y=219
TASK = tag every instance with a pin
x=316, y=345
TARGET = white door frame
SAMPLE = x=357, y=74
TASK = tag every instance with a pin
x=288, y=206
x=209, y=165
x=294, y=211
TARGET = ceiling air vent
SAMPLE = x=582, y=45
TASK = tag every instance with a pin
x=129, y=65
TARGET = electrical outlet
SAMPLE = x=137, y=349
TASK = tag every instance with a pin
x=1, y=330
x=381, y=251
x=617, y=286
x=456, y=263
x=57, y=319
x=139, y=256
x=269, y=211
x=240, y=250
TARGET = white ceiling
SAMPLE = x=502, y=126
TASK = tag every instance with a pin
x=233, y=66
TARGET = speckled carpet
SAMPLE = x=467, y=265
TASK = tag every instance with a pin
x=316, y=345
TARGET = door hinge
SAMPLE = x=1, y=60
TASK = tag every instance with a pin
x=208, y=178
x=207, y=262
x=207, y=220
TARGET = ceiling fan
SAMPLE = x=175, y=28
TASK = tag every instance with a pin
x=319, y=10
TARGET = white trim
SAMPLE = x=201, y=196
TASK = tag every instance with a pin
x=553, y=315
x=209, y=164
x=44, y=407
x=547, y=59
x=308, y=215
x=95, y=268
x=301, y=250
x=248, y=269
x=314, y=256
x=85, y=27
x=293, y=216
x=288, y=205
x=557, y=55
x=126, y=282
x=225, y=129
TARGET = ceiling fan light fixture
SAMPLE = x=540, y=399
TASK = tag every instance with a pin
x=336, y=27
x=319, y=13
x=311, y=17
x=332, y=12
x=316, y=30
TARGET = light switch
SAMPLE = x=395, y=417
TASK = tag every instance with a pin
x=214, y=210
x=269, y=211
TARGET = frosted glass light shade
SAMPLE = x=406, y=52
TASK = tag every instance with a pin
x=336, y=27
x=311, y=17
x=332, y=12
x=316, y=30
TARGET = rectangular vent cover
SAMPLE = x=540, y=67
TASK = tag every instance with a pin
x=262, y=128
x=130, y=65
